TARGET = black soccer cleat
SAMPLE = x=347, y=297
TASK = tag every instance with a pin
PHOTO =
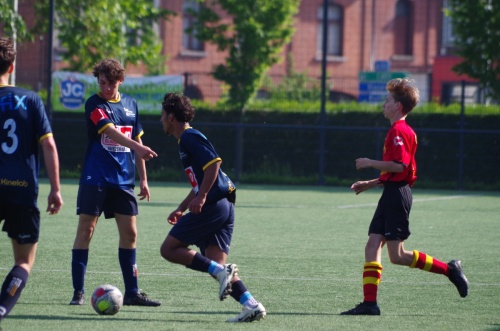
x=78, y=299
x=457, y=277
x=364, y=308
x=140, y=299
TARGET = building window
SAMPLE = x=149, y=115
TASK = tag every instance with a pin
x=403, y=28
x=335, y=28
x=447, y=39
x=189, y=41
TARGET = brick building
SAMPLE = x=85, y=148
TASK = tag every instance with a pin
x=407, y=35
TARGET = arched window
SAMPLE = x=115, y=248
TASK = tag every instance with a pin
x=403, y=28
x=335, y=26
x=189, y=41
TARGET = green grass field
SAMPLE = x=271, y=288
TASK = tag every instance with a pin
x=300, y=251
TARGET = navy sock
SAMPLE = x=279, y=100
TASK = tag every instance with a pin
x=238, y=288
x=200, y=263
x=11, y=289
x=127, y=258
x=79, y=261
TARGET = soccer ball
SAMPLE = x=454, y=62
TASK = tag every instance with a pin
x=107, y=300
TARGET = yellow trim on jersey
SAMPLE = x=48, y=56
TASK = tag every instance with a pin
x=211, y=162
x=139, y=135
x=179, y=140
x=105, y=127
x=45, y=136
x=5, y=85
x=112, y=100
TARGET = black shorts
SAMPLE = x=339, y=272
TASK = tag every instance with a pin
x=22, y=223
x=93, y=200
x=391, y=218
x=213, y=226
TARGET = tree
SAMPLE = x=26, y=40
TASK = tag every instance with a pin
x=254, y=40
x=12, y=21
x=90, y=30
x=476, y=29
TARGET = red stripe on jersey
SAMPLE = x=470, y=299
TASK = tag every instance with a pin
x=97, y=115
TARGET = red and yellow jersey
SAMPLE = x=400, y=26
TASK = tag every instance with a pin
x=400, y=146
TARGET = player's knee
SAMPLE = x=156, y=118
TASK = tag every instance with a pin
x=396, y=259
x=166, y=253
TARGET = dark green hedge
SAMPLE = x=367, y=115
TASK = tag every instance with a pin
x=284, y=148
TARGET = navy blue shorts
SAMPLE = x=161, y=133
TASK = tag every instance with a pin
x=213, y=226
x=391, y=218
x=22, y=223
x=93, y=200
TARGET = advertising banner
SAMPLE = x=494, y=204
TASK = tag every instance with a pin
x=71, y=89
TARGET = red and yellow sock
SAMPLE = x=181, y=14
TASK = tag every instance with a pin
x=372, y=273
x=428, y=263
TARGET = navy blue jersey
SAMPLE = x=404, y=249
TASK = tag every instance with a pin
x=23, y=125
x=197, y=153
x=106, y=162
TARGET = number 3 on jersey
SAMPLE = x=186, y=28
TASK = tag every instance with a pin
x=10, y=126
x=192, y=179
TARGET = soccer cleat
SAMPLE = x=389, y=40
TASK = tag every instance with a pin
x=78, y=299
x=225, y=277
x=363, y=308
x=250, y=314
x=457, y=277
x=140, y=299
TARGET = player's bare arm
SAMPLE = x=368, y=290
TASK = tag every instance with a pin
x=51, y=160
x=143, y=178
x=388, y=166
x=363, y=185
x=209, y=177
x=179, y=211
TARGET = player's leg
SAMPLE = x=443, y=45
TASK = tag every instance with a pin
x=230, y=283
x=80, y=255
x=422, y=261
x=372, y=275
x=127, y=230
x=24, y=257
x=195, y=229
x=89, y=204
x=252, y=310
x=22, y=225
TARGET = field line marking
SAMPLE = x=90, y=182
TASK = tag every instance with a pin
x=290, y=278
x=451, y=197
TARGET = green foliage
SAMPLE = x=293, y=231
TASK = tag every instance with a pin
x=314, y=106
x=297, y=86
x=89, y=31
x=11, y=21
x=476, y=27
x=253, y=41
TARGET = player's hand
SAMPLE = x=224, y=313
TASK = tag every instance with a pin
x=174, y=216
x=144, y=193
x=360, y=186
x=146, y=153
x=196, y=204
x=54, y=202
